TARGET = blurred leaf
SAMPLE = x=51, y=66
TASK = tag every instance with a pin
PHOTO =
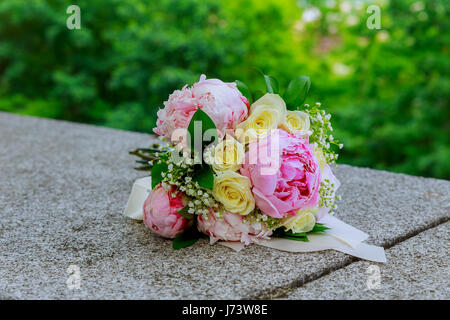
x=271, y=84
x=157, y=169
x=203, y=123
x=204, y=175
x=296, y=92
x=242, y=87
x=187, y=238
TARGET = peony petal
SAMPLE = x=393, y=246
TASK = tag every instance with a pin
x=265, y=205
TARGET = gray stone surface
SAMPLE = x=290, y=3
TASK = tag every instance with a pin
x=63, y=187
x=418, y=268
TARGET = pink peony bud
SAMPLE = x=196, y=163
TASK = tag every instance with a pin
x=161, y=212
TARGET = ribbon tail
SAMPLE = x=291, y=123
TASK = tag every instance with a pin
x=139, y=192
x=342, y=231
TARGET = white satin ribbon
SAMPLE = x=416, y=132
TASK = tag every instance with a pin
x=341, y=236
x=139, y=192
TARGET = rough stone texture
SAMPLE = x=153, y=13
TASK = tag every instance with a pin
x=63, y=187
x=418, y=268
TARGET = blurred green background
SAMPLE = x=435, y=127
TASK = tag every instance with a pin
x=388, y=89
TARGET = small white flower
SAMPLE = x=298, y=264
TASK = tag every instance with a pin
x=191, y=210
x=341, y=146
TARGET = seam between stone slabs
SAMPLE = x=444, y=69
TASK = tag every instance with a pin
x=280, y=292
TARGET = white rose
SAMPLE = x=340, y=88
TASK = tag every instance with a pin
x=266, y=114
x=228, y=155
x=234, y=192
x=304, y=221
x=297, y=122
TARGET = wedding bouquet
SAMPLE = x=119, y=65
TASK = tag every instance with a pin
x=242, y=167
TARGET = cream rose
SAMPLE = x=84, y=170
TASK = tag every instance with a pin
x=297, y=122
x=234, y=192
x=304, y=221
x=228, y=155
x=266, y=114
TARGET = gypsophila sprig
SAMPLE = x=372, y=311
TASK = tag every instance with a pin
x=322, y=129
x=256, y=216
x=328, y=195
x=199, y=200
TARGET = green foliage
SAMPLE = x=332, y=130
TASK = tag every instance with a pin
x=303, y=236
x=187, y=238
x=200, y=120
x=245, y=90
x=388, y=89
x=271, y=84
x=157, y=170
x=197, y=129
x=185, y=213
x=204, y=175
x=296, y=92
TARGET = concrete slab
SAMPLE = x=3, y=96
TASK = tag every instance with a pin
x=63, y=187
x=418, y=268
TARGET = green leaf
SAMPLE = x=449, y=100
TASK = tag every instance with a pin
x=271, y=84
x=157, y=169
x=204, y=175
x=318, y=227
x=297, y=91
x=282, y=233
x=187, y=238
x=184, y=212
x=257, y=94
x=200, y=118
x=303, y=239
x=242, y=87
x=290, y=233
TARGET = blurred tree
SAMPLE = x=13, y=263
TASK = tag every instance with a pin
x=388, y=89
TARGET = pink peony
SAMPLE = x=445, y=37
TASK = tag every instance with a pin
x=222, y=101
x=293, y=180
x=161, y=213
x=231, y=228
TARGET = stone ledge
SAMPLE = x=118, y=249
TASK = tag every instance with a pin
x=64, y=186
x=418, y=269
